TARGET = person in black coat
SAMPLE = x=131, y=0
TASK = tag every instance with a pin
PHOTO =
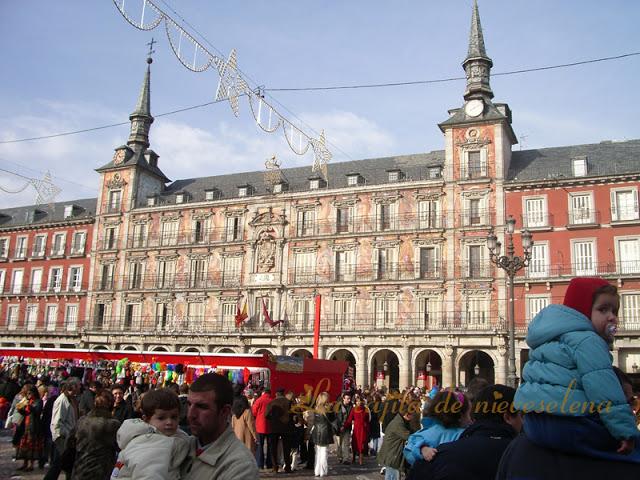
x=476, y=454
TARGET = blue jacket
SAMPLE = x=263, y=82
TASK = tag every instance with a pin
x=569, y=370
x=431, y=436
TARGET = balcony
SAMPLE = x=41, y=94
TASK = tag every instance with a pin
x=584, y=217
x=474, y=270
x=186, y=238
x=389, y=271
x=172, y=282
x=535, y=221
x=476, y=218
x=585, y=268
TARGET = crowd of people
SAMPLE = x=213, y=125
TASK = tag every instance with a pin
x=573, y=414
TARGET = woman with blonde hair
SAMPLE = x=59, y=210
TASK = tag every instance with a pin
x=322, y=433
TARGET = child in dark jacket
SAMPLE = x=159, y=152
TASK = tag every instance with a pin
x=571, y=397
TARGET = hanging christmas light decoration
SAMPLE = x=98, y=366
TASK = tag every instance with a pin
x=46, y=191
x=232, y=85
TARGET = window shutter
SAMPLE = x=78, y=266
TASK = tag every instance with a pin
x=635, y=202
x=614, y=206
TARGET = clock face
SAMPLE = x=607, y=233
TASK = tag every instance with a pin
x=118, y=157
x=474, y=108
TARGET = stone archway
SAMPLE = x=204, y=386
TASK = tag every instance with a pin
x=301, y=353
x=100, y=347
x=385, y=369
x=476, y=363
x=345, y=355
x=260, y=351
x=226, y=350
x=191, y=350
x=428, y=369
x=130, y=348
x=159, y=349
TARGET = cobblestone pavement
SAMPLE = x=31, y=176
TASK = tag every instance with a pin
x=368, y=471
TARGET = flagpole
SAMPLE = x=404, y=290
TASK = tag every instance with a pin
x=316, y=327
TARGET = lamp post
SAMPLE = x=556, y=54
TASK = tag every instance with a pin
x=634, y=367
x=511, y=264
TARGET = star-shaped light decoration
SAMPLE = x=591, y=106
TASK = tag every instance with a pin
x=45, y=188
x=231, y=84
x=322, y=155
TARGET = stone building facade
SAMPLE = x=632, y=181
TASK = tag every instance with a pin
x=395, y=248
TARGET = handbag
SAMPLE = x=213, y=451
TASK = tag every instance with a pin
x=14, y=420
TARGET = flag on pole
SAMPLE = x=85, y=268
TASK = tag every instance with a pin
x=267, y=318
x=241, y=316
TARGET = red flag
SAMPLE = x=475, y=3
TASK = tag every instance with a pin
x=267, y=318
x=241, y=316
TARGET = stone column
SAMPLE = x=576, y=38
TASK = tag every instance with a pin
x=500, y=369
x=405, y=367
x=448, y=368
x=362, y=372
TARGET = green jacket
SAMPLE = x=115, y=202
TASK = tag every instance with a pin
x=395, y=437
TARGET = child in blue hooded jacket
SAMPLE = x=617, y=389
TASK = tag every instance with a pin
x=571, y=397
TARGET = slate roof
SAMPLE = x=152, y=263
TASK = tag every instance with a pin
x=373, y=172
x=45, y=214
x=136, y=158
x=604, y=158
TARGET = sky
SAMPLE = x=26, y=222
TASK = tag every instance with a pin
x=77, y=64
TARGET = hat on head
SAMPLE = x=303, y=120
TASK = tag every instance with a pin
x=579, y=295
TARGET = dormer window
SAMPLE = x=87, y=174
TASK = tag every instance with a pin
x=314, y=184
x=579, y=165
x=68, y=211
x=394, y=175
x=211, y=194
x=151, y=201
x=280, y=187
x=353, y=179
x=244, y=190
x=180, y=197
x=435, y=172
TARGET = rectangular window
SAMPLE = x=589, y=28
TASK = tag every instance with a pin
x=539, y=262
x=342, y=313
x=195, y=315
x=58, y=245
x=535, y=303
x=475, y=265
x=584, y=258
x=385, y=217
x=101, y=315
x=629, y=255
x=630, y=303
x=31, y=317
x=198, y=231
x=352, y=180
x=55, y=279
x=78, y=243
x=429, y=214
x=162, y=316
x=132, y=316
x=234, y=229
x=581, y=210
x=106, y=277
x=385, y=264
x=169, y=233
x=21, y=248
x=4, y=247
x=343, y=219
x=75, y=279
x=232, y=271
x=115, y=201
x=198, y=273
x=3, y=274
x=260, y=311
x=16, y=281
x=535, y=212
x=135, y=275
x=305, y=267
x=385, y=313
x=71, y=317
x=430, y=311
x=624, y=205
x=306, y=223
x=12, y=317
x=477, y=312
x=36, y=280
x=229, y=311
x=302, y=312
x=166, y=273
x=428, y=262
x=139, y=235
x=476, y=164
x=51, y=317
x=345, y=266
x=475, y=213
x=39, y=244
x=110, y=238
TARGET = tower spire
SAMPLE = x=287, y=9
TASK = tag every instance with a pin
x=141, y=118
x=477, y=65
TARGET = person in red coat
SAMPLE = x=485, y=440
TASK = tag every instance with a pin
x=259, y=410
x=360, y=416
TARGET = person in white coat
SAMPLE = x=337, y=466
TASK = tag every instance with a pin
x=152, y=448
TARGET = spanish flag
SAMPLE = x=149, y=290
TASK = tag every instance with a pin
x=241, y=316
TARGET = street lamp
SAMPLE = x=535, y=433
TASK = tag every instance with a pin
x=634, y=367
x=511, y=264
